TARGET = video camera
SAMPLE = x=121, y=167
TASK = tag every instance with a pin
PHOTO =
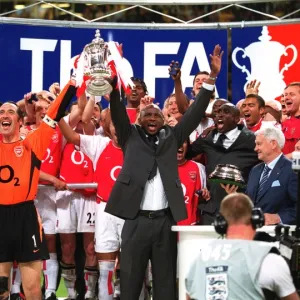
x=289, y=242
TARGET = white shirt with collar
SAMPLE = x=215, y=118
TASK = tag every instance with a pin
x=231, y=136
x=154, y=197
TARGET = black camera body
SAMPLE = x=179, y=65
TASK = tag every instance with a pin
x=289, y=248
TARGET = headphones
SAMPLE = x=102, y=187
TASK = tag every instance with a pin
x=257, y=221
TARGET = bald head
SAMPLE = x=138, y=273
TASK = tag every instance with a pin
x=237, y=208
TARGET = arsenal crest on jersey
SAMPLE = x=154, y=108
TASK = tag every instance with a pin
x=193, y=175
x=19, y=150
x=55, y=137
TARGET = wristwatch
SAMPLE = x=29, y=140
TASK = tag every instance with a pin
x=212, y=78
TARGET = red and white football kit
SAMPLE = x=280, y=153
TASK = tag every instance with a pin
x=192, y=179
x=75, y=209
x=108, y=161
x=45, y=201
x=132, y=114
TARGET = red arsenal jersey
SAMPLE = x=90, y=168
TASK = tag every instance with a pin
x=256, y=127
x=108, y=168
x=76, y=167
x=52, y=157
x=131, y=112
x=291, y=131
x=189, y=175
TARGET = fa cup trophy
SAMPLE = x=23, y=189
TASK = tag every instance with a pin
x=95, y=55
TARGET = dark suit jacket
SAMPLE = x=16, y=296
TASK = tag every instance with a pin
x=276, y=199
x=241, y=154
x=139, y=158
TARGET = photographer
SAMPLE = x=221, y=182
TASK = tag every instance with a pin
x=238, y=267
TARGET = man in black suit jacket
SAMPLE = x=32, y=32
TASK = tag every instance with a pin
x=228, y=143
x=148, y=193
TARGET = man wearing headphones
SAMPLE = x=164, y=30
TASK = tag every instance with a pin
x=237, y=267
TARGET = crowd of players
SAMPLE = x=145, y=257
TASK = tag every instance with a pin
x=85, y=149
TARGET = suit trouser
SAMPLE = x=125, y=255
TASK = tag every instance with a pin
x=147, y=238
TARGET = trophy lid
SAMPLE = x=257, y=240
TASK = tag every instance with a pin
x=96, y=42
x=227, y=174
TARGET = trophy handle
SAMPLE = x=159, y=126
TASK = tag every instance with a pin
x=243, y=68
x=286, y=66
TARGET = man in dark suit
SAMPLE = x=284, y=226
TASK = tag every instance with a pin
x=272, y=184
x=228, y=143
x=148, y=193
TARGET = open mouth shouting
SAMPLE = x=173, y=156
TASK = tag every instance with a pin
x=220, y=124
x=152, y=127
x=5, y=125
x=247, y=117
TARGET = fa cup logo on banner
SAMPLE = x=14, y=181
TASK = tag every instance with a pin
x=265, y=59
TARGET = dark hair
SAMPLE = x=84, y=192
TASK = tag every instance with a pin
x=142, y=82
x=260, y=100
x=99, y=105
x=19, y=111
x=71, y=105
x=200, y=73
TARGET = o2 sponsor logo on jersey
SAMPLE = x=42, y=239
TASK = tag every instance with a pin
x=186, y=198
x=277, y=64
x=7, y=174
x=114, y=173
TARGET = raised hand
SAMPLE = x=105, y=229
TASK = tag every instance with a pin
x=54, y=88
x=145, y=101
x=252, y=87
x=216, y=61
x=174, y=70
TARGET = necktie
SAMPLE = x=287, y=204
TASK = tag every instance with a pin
x=220, y=141
x=262, y=183
x=152, y=140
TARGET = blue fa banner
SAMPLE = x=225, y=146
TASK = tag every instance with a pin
x=33, y=57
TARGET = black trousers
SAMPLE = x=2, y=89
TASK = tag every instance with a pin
x=147, y=238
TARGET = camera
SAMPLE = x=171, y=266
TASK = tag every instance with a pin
x=289, y=242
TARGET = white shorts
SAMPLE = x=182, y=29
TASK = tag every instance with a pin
x=75, y=212
x=45, y=203
x=108, y=230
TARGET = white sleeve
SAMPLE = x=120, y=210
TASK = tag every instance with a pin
x=202, y=175
x=275, y=276
x=208, y=86
x=93, y=146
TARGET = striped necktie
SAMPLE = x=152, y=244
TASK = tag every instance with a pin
x=264, y=178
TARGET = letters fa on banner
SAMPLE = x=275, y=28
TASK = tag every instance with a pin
x=194, y=51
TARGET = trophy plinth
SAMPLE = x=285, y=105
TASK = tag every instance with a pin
x=95, y=55
x=227, y=174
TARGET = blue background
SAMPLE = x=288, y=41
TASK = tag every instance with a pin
x=15, y=64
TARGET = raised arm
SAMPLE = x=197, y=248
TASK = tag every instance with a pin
x=119, y=116
x=76, y=114
x=196, y=111
x=89, y=126
x=40, y=138
x=181, y=100
x=70, y=135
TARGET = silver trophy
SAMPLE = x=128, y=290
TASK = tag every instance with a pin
x=227, y=174
x=95, y=55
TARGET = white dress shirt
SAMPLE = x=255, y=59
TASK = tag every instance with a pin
x=154, y=197
x=231, y=136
